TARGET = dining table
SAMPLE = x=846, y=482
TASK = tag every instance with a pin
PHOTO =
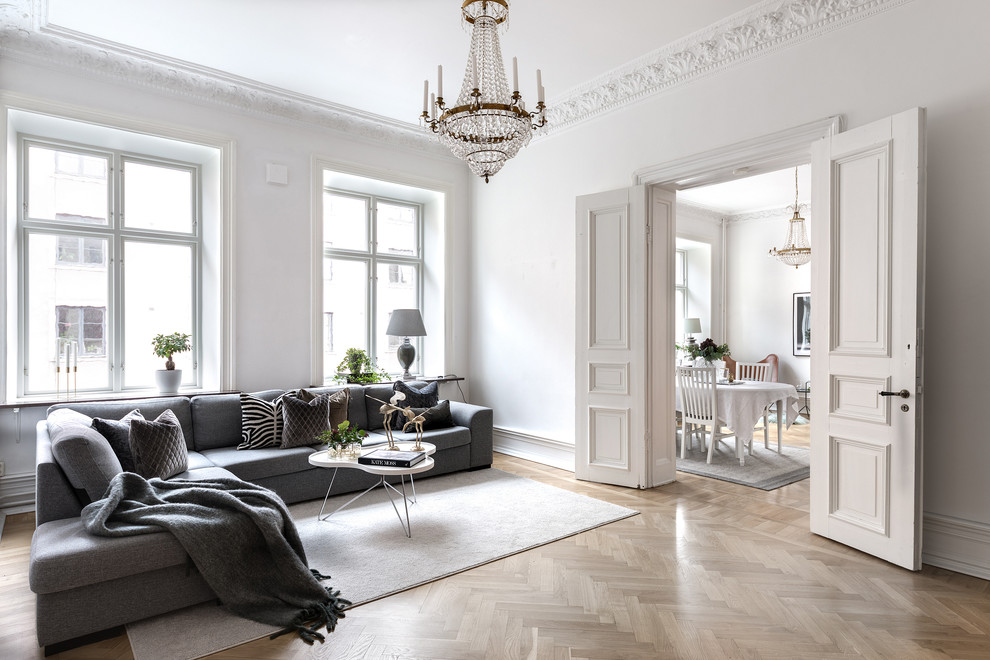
x=741, y=404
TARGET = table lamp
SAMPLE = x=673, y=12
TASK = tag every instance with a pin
x=691, y=326
x=406, y=323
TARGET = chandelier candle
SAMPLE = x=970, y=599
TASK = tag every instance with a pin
x=488, y=123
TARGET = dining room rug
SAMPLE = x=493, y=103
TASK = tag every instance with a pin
x=460, y=521
x=765, y=469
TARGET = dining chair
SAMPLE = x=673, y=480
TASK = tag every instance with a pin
x=770, y=359
x=699, y=407
x=758, y=371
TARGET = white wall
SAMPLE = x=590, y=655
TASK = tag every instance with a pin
x=759, y=294
x=924, y=53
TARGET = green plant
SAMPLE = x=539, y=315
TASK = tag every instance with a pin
x=707, y=349
x=358, y=367
x=341, y=436
x=167, y=345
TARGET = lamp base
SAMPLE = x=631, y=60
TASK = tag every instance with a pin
x=406, y=354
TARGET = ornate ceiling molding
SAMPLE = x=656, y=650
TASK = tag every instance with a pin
x=25, y=37
x=759, y=30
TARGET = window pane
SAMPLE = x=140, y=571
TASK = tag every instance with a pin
x=345, y=222
x=67, y=186
x=157, y=300
x=157, y=197
x=397, y=289
x=680, y=309
x=679, y=268
x=397, y=230
x=67, y=304
x=345, y=301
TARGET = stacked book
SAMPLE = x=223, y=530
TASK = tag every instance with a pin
x=392, y=458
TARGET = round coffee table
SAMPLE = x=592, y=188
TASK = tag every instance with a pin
x=324, y=460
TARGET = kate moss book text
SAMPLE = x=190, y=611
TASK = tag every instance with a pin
x=392, y=458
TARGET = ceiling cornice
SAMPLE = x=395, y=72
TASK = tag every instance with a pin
x=24, y=36
x=759, y=30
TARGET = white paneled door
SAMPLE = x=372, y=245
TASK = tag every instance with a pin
x=611, y=348
x=868, y=201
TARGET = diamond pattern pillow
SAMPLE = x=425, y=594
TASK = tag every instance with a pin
x=261, y=421
x=117, y=432
x=339, y=402
x=304, y=421
x=158, y=448
x=426, y=396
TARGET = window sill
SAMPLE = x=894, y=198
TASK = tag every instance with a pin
x=87, y=397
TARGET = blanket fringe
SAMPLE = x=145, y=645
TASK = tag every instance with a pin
x=325, y=614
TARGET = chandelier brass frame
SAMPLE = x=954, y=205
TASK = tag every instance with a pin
x=797, y=250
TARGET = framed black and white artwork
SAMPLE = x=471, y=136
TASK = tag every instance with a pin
x=802, y=323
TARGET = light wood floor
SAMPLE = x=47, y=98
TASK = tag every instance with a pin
x=708, y=570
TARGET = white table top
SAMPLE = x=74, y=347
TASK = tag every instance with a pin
x=741, y=406
x=323, y=459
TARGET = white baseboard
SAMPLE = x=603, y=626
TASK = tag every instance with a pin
x=17, y=492
x=958, y=545
x=534, y=448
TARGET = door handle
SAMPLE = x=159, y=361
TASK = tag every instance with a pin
x=903, y=394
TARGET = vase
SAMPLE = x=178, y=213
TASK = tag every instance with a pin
x=168, y=380
x=718, y=364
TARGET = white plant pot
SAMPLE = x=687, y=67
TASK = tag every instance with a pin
x=168, y=381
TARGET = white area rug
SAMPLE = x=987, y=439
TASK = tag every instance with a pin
x=765, y=469
x=460, y=521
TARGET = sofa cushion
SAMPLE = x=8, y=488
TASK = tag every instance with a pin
x=117, y=432
x=195, y=460
x=150, y=408
x=339, y=402
x=437, y=417
x=204, y=474
x=83, y=454
x=158, y=447
x=259, y=463
x=302, y=421
x=261, y=421
x=355, y=402
x=455, y=436
x=418, y=395
x=374, y=395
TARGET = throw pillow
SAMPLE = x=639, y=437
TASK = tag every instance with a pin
x=117, y=433
x=340, y=401
x=83, y=454
x=437, y=417
x=426, y=396
x=158, y=448
x=261, y=421
x=304, y=421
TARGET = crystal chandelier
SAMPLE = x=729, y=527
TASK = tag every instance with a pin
x=488, y=125
x=797, y=250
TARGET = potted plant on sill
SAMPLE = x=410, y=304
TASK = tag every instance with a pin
x=165, y=346
x=358, y=367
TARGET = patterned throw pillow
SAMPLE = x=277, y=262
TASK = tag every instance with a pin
x=117, y=432
x=158, y=448
x=304, y=421
x=423, y=397
x=339, y=402
x=261, y=421
x=437, y=417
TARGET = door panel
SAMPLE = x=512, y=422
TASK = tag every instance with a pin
x=611, y=355
x=868, y=274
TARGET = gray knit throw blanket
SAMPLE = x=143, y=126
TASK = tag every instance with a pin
x=241, y=539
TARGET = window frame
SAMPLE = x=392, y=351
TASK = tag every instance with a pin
x=683, y=287
x=116, y=235
x=372, y=259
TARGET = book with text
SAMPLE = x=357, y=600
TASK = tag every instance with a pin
x=392, y=458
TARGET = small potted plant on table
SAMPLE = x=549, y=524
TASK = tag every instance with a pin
x=343, y=440
x=166, y=346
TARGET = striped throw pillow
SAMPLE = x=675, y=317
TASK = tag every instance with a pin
x=261, y=421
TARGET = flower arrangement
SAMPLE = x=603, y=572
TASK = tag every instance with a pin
x=341, y=437
x=708, y=350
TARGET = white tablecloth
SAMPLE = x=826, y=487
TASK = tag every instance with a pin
x=741, y=406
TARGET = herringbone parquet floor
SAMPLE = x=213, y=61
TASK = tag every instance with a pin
x=708, y=570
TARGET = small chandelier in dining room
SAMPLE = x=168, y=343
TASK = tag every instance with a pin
x=488, y=125
x=797, y=250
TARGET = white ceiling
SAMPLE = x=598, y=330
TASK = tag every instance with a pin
x=373, y=55
x=772, y=190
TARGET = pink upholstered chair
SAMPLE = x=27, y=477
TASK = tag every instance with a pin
x=730, y=365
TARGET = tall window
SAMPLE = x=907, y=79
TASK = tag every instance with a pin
x=680, y=293
x=110, y=253
x=372, y=264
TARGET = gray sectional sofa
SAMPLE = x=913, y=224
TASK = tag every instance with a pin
x=86, y=584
